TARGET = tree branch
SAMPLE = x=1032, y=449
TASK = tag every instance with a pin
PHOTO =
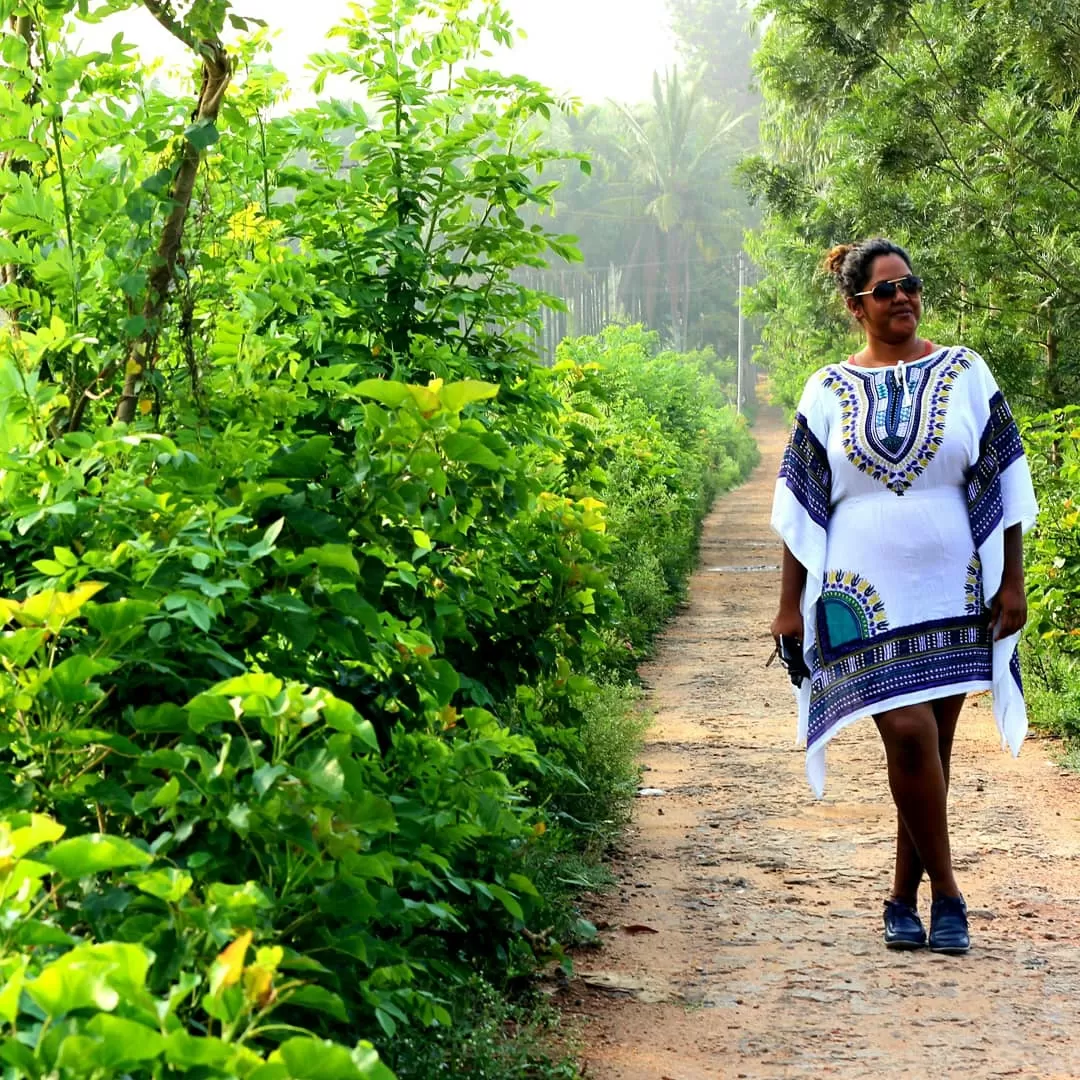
x=216, y=72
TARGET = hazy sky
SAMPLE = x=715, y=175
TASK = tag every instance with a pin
x=591, y=48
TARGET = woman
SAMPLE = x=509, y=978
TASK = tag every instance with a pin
x=902, y=499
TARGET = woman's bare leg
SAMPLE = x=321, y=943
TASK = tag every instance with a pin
x=917, y=779
x=909, y=867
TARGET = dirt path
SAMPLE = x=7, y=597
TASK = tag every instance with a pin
x=767, y=960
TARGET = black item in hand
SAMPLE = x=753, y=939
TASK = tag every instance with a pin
x=791, y=656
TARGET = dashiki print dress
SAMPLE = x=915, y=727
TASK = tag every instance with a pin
x=895, y=491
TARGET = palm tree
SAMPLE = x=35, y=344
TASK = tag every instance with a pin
x=682, y=147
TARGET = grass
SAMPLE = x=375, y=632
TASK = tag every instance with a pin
x=492, y=1038
x=1052, y=690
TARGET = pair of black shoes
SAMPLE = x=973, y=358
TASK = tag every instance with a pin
x=948, y=926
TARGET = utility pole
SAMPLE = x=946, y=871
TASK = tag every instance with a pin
x=739, y=359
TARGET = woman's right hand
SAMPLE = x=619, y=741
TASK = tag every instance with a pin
x=787, y=624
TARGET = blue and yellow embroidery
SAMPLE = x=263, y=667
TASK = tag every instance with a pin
x=892, y=432
x=851, y=609
x=973, y=586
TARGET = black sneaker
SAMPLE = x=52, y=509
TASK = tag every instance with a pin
x=949, y=926
x=903, y=927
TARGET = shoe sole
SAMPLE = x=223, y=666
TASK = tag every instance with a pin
x=905, y=946
x=951, y=950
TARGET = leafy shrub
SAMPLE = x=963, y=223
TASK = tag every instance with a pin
x=675, y=444
x=1052, y=564
x=316, y=633
x=79, y=1008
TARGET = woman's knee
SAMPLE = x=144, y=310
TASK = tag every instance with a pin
x=910, y=736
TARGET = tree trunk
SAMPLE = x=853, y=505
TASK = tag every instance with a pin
x=23, y=26
x=141, y=355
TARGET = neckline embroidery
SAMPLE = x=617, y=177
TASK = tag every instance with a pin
x=892, y=427
x=922, y=361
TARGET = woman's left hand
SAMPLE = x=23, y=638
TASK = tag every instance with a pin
x=1008, y=611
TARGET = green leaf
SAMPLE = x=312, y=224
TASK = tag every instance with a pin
x=263, y=778
x=115, y=618
x=90, y=977
x=202, y=133
x=170, y=885
x=20, y=1057
x=207, y=709
x=49, y=567
x=468, y=449
x=12, y=991
x=41, y=830
x=254, y=682
x=384, y=390
x=318, y=1059
x=341, y=716
x=237, y=897
x=264, y=546
x=184, y=1051
x=168, y=718
x=321, y=1000
x=455, y=396
x=302, y=461
x=20, y=646
x=154, y=798
x=330, y=556
x=508, y=901
x=114, y=1043
x=71, y=678
x=94, y=854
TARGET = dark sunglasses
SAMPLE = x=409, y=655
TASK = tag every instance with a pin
x=886, y=290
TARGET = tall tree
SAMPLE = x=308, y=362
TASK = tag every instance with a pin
x=718, y=38
x=950, y=126
x=677, y=143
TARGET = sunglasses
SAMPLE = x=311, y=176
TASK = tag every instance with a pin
x=886, y=290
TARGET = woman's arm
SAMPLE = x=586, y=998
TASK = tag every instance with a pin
x=789, y=621
x=1008, y=610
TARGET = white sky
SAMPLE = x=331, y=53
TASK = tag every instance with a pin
x=593, y=49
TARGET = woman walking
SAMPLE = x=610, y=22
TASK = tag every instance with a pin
x=902, y=500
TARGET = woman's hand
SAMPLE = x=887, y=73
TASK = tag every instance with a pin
x=1008, y=610
x=788, y=623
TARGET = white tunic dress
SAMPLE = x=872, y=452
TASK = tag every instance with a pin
x=894, y=492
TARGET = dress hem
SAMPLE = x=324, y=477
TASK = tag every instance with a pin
x=815, y=755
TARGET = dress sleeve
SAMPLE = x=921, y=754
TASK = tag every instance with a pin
x=802, y=503
x=803, y=493
x=999, y=495
x=999, y=488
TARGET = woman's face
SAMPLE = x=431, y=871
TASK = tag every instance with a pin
x=893, y=321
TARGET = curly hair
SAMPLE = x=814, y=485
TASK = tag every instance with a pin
x=849, y=264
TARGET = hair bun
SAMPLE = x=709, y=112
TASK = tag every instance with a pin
x=837, y=256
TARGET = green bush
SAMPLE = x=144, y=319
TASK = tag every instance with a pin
x=675, y=443
x=320, y=633
x=1052, y=566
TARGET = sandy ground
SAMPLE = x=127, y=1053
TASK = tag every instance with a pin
x=744, y=939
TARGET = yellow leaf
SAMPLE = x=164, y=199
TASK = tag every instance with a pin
x=145, y=406
x=8, y=610
x=539, y=829
x=229, y=965
x=53, y=609
x=258, y=985
x=426, y=401
x=133, y=367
